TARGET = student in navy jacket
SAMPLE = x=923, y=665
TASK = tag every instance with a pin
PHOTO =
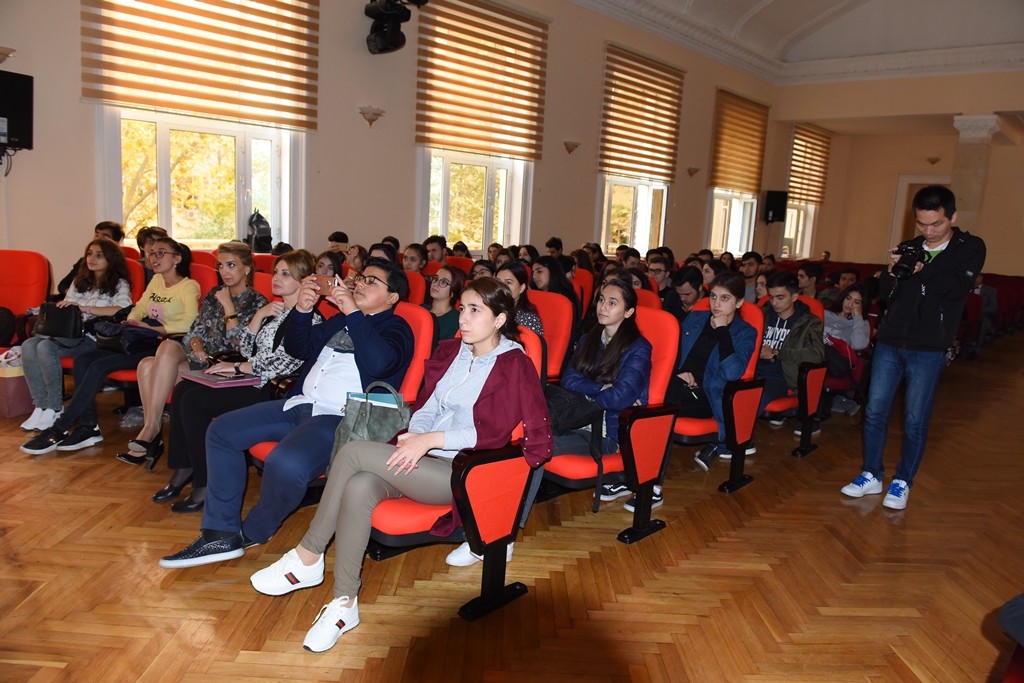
x=366, y=343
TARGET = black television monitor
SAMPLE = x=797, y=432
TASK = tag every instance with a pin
x=15, y=110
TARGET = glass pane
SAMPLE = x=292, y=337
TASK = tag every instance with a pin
x=500, y=197
x=262, y=156
x=657, y=211
x=467, y=194
x=436, y=181
x=720, y=223
x=138, y=175
x=202, y=188
x=621, y=222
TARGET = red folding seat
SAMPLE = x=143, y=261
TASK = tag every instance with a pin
x=130, y=253
x=24, y=283
x=138, y=276
x=264, y=263
x=205, y=276
x=205, y=258
x=556, y=314
x=585, y=279
x=430, y=268
x=648, y=299
x=417, y=288
x=264, y=284
x=461, y=262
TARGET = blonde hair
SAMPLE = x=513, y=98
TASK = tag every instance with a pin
x=244, y=254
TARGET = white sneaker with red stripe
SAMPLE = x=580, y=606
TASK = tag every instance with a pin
x=288, y=574
x=334, y=619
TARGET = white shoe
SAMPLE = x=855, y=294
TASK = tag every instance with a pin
x=333, y=620
x=464, y=557
x=778, y=422
x=288, y=574
x=897, y=495
x=864, y=485
x=47, y=419
x=29, y=425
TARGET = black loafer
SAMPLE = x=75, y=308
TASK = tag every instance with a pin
x=168, y=492
x=186, y=504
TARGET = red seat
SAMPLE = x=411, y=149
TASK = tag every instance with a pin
x=648, y=299
x=205, y=258
x=804, y=405
x=555, y=313
x=24, y=283
x=264, y=262
x=461, y=262
x=205, y=277
x=430, y=268
x=264, y=284
x=417, y=288
x=138, y=276
x=586, y=280
x=130, y=253
x=1015, y=671
x=327, y=309
x=399, y=517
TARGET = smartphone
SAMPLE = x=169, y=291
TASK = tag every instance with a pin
x=327, y=283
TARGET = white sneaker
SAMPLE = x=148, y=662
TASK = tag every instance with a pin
x=464, y=557
x=778, y=422
x=288, y=574
x=29, y=425
x=897, y=495
x=333, y=620
x=864, y=485
x=47, y=419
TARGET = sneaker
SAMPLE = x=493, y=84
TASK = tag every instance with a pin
x=48, y=418
x=705, y=456
x=44, y=442
x=464, y=557
x=897, y=495
x=777, y=422
x=613, y=491
x=815, y=429
x=288, y=574
x=29, y=425
x=656, y=500
x=726, y=454
x=82, y=437
x=201, y=551
x=864, y=485
x=838, y=404
x=332, y=621
x=852, y=407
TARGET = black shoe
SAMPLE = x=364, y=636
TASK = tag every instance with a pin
x=656, y=500
x=202, y=551
x=169, y=492
x=82, y=437
x=45, y=441
x=705, y=456
x=248, y=542
x=153, y=450
x=186, y=504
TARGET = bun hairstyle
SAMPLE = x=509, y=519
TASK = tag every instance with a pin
x=244, y=254
x=497, y=297
x=604, y=368
x=301, y=263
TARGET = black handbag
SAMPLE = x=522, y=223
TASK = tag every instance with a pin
x=126, y=339
x=64, y=322
x=570, y=410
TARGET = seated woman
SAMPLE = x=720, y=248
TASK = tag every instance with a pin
x=457, y=410
x=223, y=313
x=715, y=348
x=847, y=322
x=328, y=263
x=481, y=268
x=502, y=257
x=639, y=279
x=513, y=276
x=101, y=287
x=445, y=289
x=168, y=306
x=357, y=257
x=761, y=286
x=528, y=254
x=194, y=405
x=712, y=269
x=548, y=276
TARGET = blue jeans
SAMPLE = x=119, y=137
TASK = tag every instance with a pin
x=921, y=370
x=301, y=455
x=41, y=362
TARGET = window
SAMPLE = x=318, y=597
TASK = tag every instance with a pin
x=732, y=221
x=796, y=237
x=200, y=180
x=808, y=173
x=633, y=213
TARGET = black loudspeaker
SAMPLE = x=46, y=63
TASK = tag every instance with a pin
x=775, y=206
x=15, y=110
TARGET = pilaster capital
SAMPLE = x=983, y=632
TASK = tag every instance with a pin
x=974, y=129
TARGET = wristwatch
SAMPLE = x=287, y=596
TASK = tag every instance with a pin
x=228, y=318
x=237, y=370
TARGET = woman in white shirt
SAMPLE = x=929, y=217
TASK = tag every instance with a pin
x=101, y=287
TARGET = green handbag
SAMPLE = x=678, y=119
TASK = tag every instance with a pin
x=376, y=417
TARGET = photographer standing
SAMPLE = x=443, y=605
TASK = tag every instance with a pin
x=926, y=287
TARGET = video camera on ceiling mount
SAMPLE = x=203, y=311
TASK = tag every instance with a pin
x=386, y=31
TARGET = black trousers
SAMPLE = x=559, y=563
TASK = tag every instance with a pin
x=193, y=408
x=692, y=403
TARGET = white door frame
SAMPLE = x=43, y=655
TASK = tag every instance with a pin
x=902, y=184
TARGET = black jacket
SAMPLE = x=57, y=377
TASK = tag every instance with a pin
x=924, y=311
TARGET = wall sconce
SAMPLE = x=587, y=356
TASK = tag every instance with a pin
x=371, y=114
x=933, y=160
x=692, y=171
x=570, y=147
x=5, y=53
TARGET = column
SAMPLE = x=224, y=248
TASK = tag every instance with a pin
x=970, y=165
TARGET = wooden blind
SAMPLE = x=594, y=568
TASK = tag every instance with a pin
x=740, y=130
x=240, y=60
x=640, y=126
x=808, y=168
x=481, y=78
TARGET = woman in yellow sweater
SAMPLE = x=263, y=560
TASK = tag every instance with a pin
x=168, y=306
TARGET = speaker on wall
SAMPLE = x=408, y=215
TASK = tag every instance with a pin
x=775, y=206
x=15, y=110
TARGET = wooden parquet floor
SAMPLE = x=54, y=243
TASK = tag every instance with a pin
x=785, y=580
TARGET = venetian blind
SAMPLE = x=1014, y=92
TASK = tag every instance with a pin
x=241, y=60
x=481, y=78
x=808, y=169
x=740, y=130
x=640, y=126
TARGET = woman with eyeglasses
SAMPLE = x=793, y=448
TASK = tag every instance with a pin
x=482, y=268
x=168, y=306
x=445, y=289
x=223, y=313
x=513, y=276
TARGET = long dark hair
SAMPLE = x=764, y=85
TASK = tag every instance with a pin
x=865, y=299
x=589, y=360
x=518, y=271
x=117, y=269
x=184, y=265
x=557, y=282
x=333, y=258
x=458, y=278
x=531, y=250
x=498, y=299
x=645, y=281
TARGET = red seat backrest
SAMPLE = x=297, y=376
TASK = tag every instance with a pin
x=430, y=268
x=533, y=345
x=654, y=284
x=754, y=316
x=24, y=279
x=417, y=287
x=461, y=262
x=586, y=280
x=327, y=309
x=424, y=332
x=817, y=308
x=138, y=276
x=130, y=253
x=263, y=283
x=205, y=276
x=648, y=299
x=264, y=262
x=205, y=258
x=661, y=329
x=555, y=313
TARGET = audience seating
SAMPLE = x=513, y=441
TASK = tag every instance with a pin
x=205, y=277
x=264, y=262
x=462, y=263
x=417, y=288
x=586, y=280
x=649, y=299
x=24, y=283
x=430, y=268
x=555, y=313
x=805, y=405
x=205, y=258
x=263, y=283
x=130, y=253
x=740, y=404
x=327, y=309
x=138, y=276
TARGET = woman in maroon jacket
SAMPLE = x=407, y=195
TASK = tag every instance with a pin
x=477, y=389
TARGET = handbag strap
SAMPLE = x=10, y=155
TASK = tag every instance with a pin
x=402, y=406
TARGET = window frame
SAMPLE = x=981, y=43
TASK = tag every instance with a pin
x=602, y=234
x=806, y=237
x=748, y=203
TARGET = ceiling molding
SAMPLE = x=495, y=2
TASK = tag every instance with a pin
x=726, y=50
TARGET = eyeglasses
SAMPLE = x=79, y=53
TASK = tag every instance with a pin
x=656, y=271
x=480, y=271
x=370, y=280
x=442, y=282
x=159, y=253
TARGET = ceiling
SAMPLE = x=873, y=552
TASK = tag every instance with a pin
x=799, y=41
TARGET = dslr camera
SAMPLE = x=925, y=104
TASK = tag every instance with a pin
x=910, y=254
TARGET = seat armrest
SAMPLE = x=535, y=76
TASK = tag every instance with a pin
x=490, y=488
x=645, y=439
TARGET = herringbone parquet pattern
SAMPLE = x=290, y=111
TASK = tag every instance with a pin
x=785, y=580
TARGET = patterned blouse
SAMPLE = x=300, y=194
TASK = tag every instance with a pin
x=209, y=325
x=268, y=359
x=530, y=320
x=96, y=299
